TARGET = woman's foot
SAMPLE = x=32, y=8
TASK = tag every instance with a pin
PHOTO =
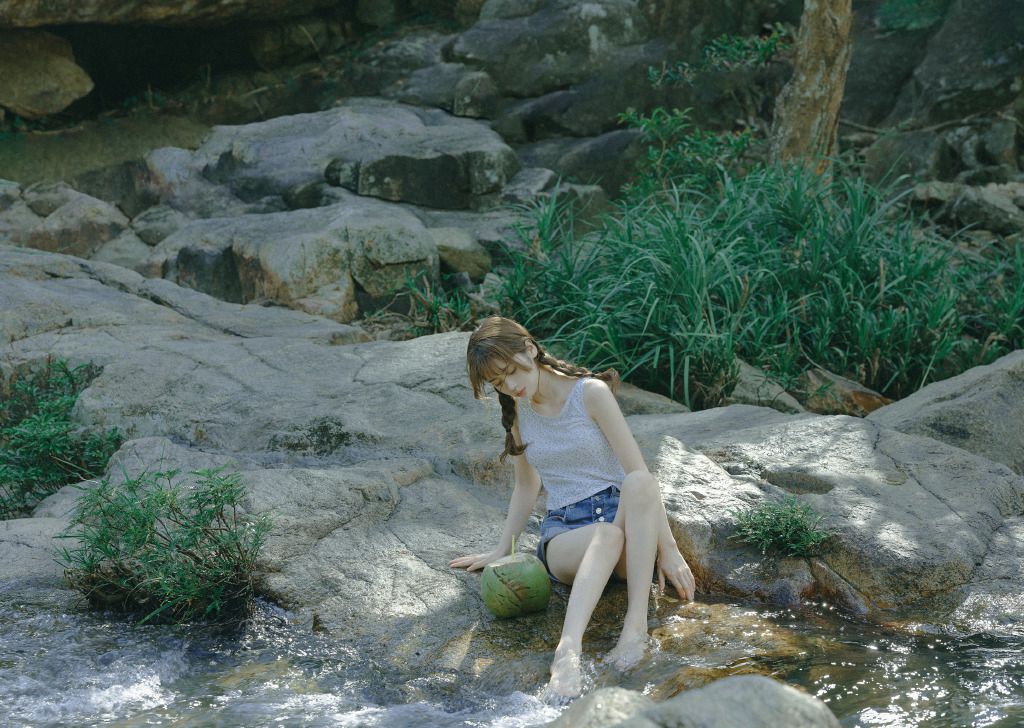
x=629, y=650
x=566, y=680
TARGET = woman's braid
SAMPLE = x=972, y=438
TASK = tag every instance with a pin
x=609, y=376
x=508, y=419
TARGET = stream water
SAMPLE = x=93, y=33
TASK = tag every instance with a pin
x=63, y=667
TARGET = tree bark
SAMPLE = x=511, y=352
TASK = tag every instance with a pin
x=806, y=121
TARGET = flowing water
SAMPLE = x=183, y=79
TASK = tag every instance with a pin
x=63, y=667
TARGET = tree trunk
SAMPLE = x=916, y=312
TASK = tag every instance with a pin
x=806, y=119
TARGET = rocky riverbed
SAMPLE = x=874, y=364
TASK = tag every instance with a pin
x=377, y=466
x=221, y=280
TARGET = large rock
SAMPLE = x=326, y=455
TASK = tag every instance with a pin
x=311, y=260
x=38, y=73
x=563, y=42
x=42, y=292
x=751, y=701
x=980, y=411
x=912, y=516
x=30, y=13
x=973, y=64
x=609, y=159
x=56, y=218
x=372, y=146
x=881, y=62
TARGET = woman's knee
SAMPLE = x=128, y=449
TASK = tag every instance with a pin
x=640, y=487
x=609, y=535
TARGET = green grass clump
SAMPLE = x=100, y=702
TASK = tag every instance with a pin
x=781, y=267
x=158, y=546
x=434, y=309
x=41, y=450
x=786, y=528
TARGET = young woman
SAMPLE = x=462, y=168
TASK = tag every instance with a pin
x=605, y=514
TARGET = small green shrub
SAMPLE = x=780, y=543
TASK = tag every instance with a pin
x=41, y=450
x=725, y=53
x=680, y=154
x=786, y=528
x=158, y=546
x=434, y=309
x=781, y=267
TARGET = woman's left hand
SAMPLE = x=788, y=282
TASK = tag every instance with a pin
x=672, y=566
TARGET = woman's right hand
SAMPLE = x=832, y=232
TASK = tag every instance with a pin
x=474, y=561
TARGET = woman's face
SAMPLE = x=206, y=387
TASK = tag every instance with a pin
x=520, y=376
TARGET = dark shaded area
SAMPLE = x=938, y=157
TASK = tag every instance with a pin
x=131, y=64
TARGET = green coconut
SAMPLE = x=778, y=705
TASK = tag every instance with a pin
x=515, y=585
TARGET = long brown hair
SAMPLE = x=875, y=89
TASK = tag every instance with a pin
x=491, y=350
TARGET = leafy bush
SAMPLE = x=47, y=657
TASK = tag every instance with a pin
x=781, y=267
x=680, y=154
x=725, y=53
x=434, y=309
x=786, y=528
x=41, y=450
x=158, y=546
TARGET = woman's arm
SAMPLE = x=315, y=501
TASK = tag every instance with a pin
x=524, y=495
x=604, y=410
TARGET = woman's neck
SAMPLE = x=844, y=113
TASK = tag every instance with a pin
x=550, y=385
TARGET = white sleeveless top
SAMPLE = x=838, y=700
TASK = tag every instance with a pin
x=569, y=450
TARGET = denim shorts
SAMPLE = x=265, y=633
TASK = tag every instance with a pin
x=598, y=508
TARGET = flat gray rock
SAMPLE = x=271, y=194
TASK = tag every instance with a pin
x=981, y=411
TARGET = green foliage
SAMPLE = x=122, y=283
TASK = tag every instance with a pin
x=159, y=546
x=681, y=154
x=786, y=528
x=725, y=53
x=41, y=450
x=434, y=309
x=911, y=14
x=781, y=267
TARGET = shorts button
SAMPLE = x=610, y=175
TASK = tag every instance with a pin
x=597, y=510
x=601, y=518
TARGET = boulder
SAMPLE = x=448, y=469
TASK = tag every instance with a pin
x=826, y=393
x=755, y=387
x=923, y=155
x=959, y=75
x=990, y=604
x=29, y=13
x=602, y=708
x=157, y=222
x=881, y=62
x=636, y=401
x=562, y=43
x=26, y=550
x=38, y=73
x=56, y=218
x=992, y=207
x=752, y=701
x=609, y=159
x=392, y=59
x=591, y=105
x=460, y=251
x=912, y=517
x=454, y=87
x=980, y=411
x=311, y=259
x=43, y=292
x=476, y=96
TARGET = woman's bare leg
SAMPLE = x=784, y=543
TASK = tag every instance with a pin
x=638, y=515
x=585, y=558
